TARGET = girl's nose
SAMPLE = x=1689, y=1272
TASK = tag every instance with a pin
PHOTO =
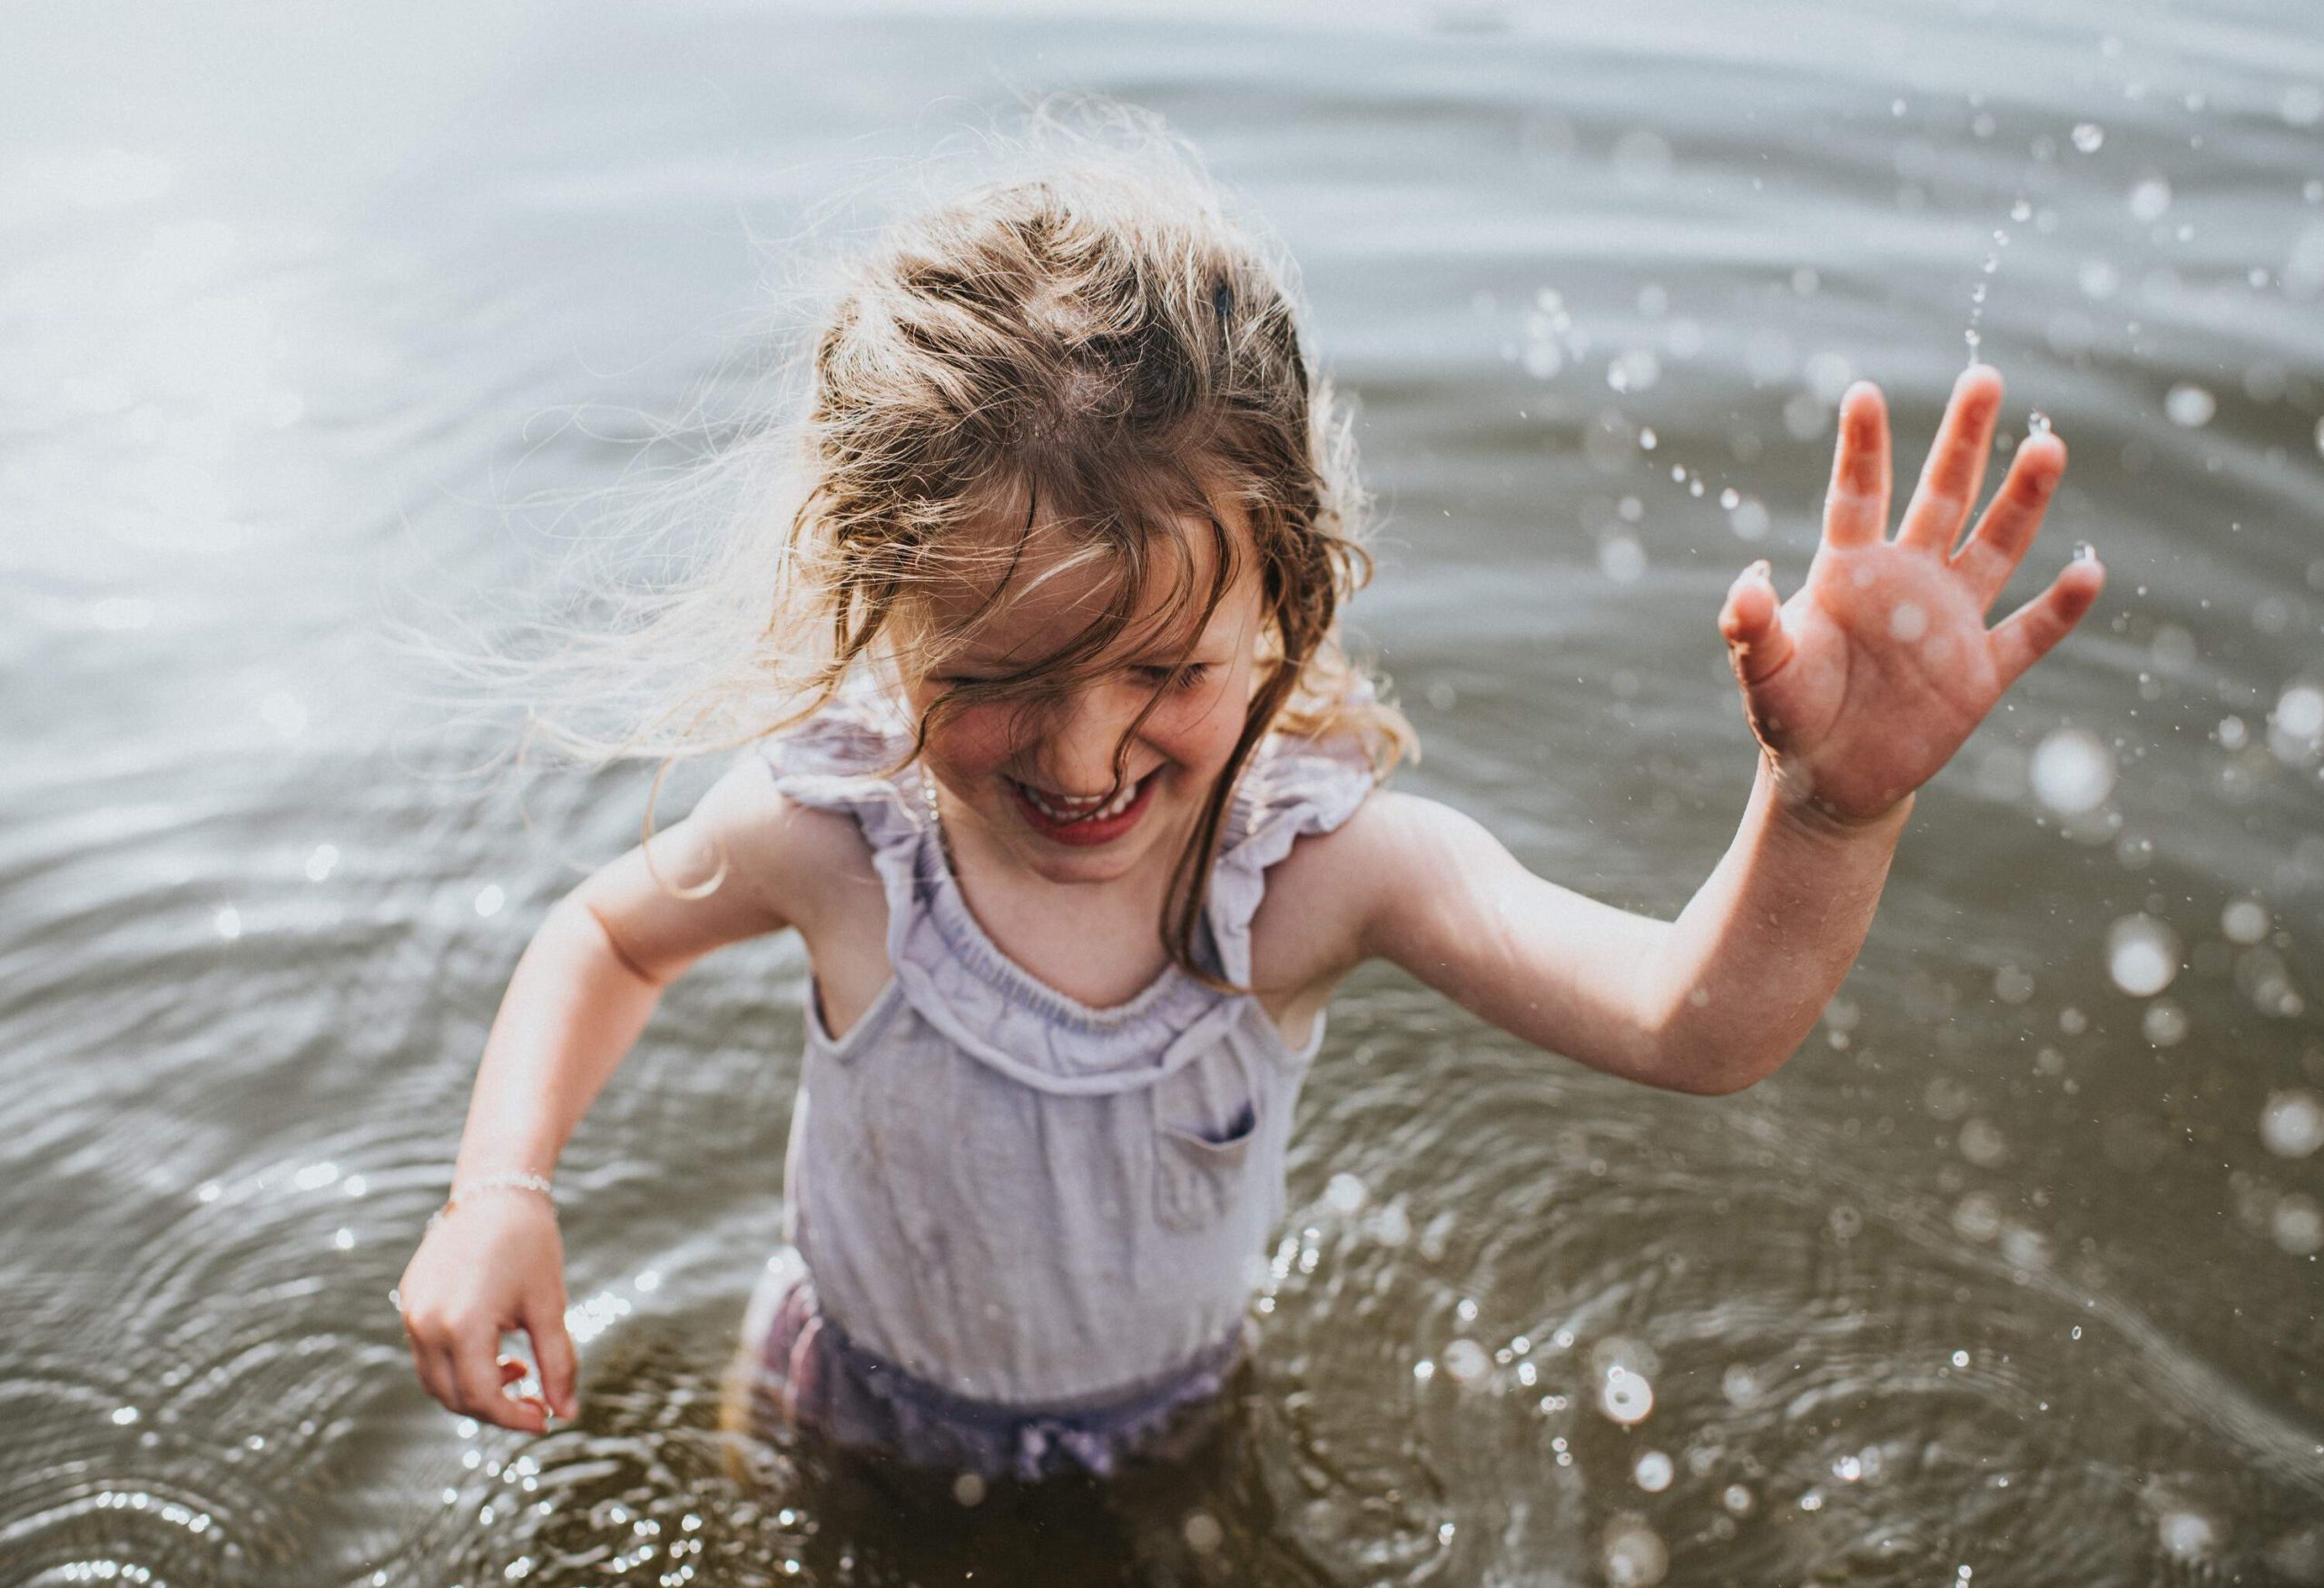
x=1077, y=756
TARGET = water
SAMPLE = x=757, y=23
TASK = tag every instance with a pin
x=2010, y=1276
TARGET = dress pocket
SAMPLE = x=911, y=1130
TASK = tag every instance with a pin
x=1198, y=1171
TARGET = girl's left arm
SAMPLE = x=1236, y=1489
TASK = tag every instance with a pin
x=1858, y=688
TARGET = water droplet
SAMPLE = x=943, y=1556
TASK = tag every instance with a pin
x=2186, y=1535
x=2296, y=727
x=2191, y=407
x=2150, y=198
x=1625, y=1396
x=2244, y=921
x=489, y=899
x=227, y=922
x=2072, y=770
x=967, y=1489
x=321, y=862
x=2084, y=552
x=1203, y=1534
x=2089, y=137
x=1466, y=1360
x=2292, y=1124
x=124, y=1415
x=1634, y=1554
x=2037, y=423
x=2298, y=1224
x=1344, y=1194
x=2165, y=1023
x=2142, y=955
x=1621, y=559
x=1737, y=1499
x=1977, y=1217
x=1652, y=1471
x=1960, y=1358
x=1907, y=622
x=1982, y=1143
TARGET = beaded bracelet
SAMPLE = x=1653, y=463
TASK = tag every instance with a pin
x=500, y=1180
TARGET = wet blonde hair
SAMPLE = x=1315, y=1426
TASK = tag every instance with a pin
x=1093, y=351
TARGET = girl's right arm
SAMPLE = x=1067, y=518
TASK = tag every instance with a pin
x=582, y=992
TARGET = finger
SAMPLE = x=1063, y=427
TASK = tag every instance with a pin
x=1957, y=463
x=1856, y=507
x=481, y=1393
x=2026, y=634
x=1998, y=544
x=1751, y=621
x=512, y=1370
x=553, y=1350
x=446, y=1381
x=427, y=1362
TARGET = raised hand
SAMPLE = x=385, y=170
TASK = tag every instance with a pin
x=1869, y=677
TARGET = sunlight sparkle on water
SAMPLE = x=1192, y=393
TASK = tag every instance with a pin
x=2072, y=771
x=2142, y=955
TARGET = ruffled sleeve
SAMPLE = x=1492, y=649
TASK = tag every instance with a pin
x=1293, y=787
x=845, y=758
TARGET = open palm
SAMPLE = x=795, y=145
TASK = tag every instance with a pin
x=1872, y=674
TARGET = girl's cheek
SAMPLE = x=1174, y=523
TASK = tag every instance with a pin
x=976, y=742
x=1203, y=726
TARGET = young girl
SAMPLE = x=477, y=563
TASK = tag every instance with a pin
x=1072, y=797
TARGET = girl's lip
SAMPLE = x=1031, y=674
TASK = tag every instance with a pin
x=1086, y=834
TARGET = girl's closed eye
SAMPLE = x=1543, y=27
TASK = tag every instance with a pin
x=1172, y=677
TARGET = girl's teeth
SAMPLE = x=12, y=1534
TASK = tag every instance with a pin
x=1083, y=813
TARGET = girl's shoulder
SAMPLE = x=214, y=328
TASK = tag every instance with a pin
x=1314, y=923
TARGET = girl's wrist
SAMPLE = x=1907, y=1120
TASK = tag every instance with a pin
x=472, y=1185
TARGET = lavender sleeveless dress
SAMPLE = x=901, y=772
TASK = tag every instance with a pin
x=1022, y=1232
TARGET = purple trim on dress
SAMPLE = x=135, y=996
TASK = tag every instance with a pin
x=813, y=1376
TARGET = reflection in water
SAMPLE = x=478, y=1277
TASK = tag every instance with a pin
x=2009, y=1277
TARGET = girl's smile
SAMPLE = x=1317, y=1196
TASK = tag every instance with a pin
x=1087, y=821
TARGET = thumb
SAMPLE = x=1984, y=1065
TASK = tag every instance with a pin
x=1751, y=621
x=552, y=1351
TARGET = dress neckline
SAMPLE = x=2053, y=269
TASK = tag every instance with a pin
x=967, y=937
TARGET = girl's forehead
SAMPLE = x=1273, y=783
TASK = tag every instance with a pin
x=1026, y=593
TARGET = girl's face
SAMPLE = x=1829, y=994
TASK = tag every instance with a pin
x=1035, y=781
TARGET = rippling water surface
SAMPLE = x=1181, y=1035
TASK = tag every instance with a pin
x=2012, y=1276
